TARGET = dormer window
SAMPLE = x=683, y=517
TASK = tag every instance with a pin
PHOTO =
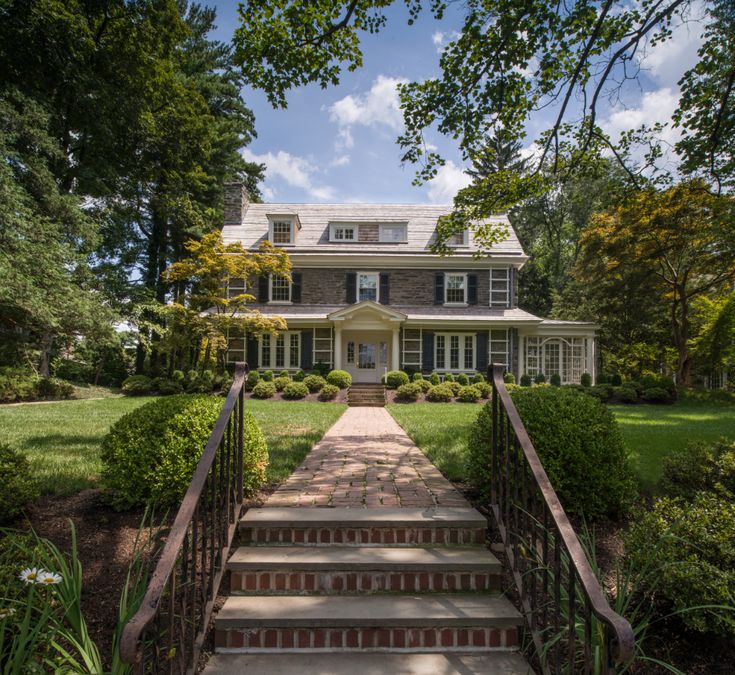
x=393, y=233
x=339, y=232
x=459, y=239
x=282, y=230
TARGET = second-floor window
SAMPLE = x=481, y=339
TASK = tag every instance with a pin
x=367, y=287
x=500, y=287
x=455, y=289
x=280, y=289
x=235, y=287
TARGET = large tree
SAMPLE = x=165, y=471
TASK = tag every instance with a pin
x=678, y=244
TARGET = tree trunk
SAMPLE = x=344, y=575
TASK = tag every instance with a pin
x=46, y=343
x=680, y=329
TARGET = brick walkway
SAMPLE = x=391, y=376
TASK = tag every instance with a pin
x=366, y=460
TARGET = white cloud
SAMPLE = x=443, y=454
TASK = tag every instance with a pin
x=342, y=160
x=654, y=106
x=294, y=170
x=449, y=180
x=438, y=38
x=377, y=107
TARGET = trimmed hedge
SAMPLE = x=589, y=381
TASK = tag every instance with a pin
x=295, y=391
x=424, y=384
x=264, y=390
x=469, y=394
x=409, y=392
x=463, y=379
x=434, y=379
x=441, y=393
x=339, y=378
x=578, y=442
x=396, y=378
x=700, y=467
x=253, y=379
x=18, y=486
x=328, y=392
x=314, y=382
x=137, y=385
x=281, y=382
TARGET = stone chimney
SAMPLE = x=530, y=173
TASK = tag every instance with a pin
x=236, y=203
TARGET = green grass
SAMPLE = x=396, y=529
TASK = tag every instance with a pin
x=62, y=439
x=291, y=429
x=440, y=430
x=652, y=432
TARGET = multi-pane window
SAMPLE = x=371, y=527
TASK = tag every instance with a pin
x=343, y=233
x=499, y=346
x=565, y=357
x=350, y=352
x=282, y=351
x=458, y=239
x=455, y=351
x=455, y=288
x=367, y=287
x=323, y=346
x=282, y=232
x=393, y=233
x=280, y=288
x=412, y=353
x=500, y=287
x=235, y=287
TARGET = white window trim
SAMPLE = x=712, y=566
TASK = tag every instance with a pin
x=465, y=240
x=564, y=369
x=345, y=226
x=377, y=285
x=507, y=287
x=271, y=301
x=505, y=341
x=287, y=365
x=461, y=369
x=403, y=226
x=446, y=288
x=282, y=219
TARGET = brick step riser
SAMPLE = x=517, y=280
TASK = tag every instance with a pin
x=364, y=537
x=286, y=582
x=418, y=639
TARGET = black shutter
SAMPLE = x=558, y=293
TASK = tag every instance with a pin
x=482, y=352
x=351, y=284
x=439, y=288
x=263, y=289
x=471, y=289
x=384, y=288
x=295, y=286
x=252, y=353
x=307, y=343
x=427, y=351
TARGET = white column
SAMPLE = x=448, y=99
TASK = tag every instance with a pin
x=521, y=356
x=591, y=357
x=395, y=350
x=337, y=365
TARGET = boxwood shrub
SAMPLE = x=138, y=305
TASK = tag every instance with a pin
x=151, y=453
x=555, y=380
x=264, y=389
x=449, y=377
x=339, y=378
x=395, y=378
x=509, y=378
x=700, y=466
x=253, y=379
x=440, y=393
x=299, y=376
x=463, y=379
x=409, y=393
x=424, y=384
x=526, y=380
x=454, y=386
x=656, y=395
x=586, y=380
x=485, y=389
x=281, y=382
x=137, y=385
x=417, y=377
x=578, y=442
x=625, y=394
x=314, y=382
x=18, y=487
x=267, y=376
x=328, y=392
x=295, y=391
x=469, y=394
x=477, y=378
x=434, y=379
x=540, y=379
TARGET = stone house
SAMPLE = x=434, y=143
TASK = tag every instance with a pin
x=367, y=295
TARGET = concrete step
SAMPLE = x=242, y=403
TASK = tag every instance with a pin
x=491, y=663
x=293, y=570
x=363, y=527
x=389, y=622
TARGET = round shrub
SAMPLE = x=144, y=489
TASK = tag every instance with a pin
x=169, y=387
x=51, y=387
x=603, y=392
x=586, y=380
x=434, y=379
x=395, y=378
x=425, y=385
x=18, y=487
x=578, y=442
x=284, y=373
x=463, y=379
x=625, y=394
x=264, y=389
x=526, y=380
x=178, y=376
x=137, y=385
x=440, y=393
x=449, y=377
x=477, y=378
x=299, y=376
x=253, y=379
x=267, y=376
x=409, y=392
x=687, y=549
x=328, y=392
x=280, y=383
x=339, y=378
x=295, y=390
x=151, y=453
x=454, y=386
x=191, y=375
x=314, y=382
x=540, y=379
x=555, y=380
x=656, y=395
x=509, y=378
x=485, y=389
x=417, y=377
x=469, y=394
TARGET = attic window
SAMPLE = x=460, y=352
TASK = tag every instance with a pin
x=339, y=232
x=282, y=231
x=393, y=233
x=459, y=239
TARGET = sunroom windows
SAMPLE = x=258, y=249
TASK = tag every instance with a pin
x=455, y=352
x=282, y=351
x=455, y=289
x=556, y=356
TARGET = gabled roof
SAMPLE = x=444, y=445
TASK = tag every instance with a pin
x=381, y=310
x=313, y=236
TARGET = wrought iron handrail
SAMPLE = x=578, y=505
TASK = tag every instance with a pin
x=550, y=569
x=166, y=633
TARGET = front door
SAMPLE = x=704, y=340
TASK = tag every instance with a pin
x=366, y=360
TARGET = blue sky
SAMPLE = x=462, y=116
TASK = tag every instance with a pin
x=338, y=144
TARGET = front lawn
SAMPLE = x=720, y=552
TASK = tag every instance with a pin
x=62, y=438
x=652, y=432
x=440, y=430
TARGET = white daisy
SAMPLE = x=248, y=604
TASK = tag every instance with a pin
x=48, y=578
x=30, y=575
x=6, y=612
